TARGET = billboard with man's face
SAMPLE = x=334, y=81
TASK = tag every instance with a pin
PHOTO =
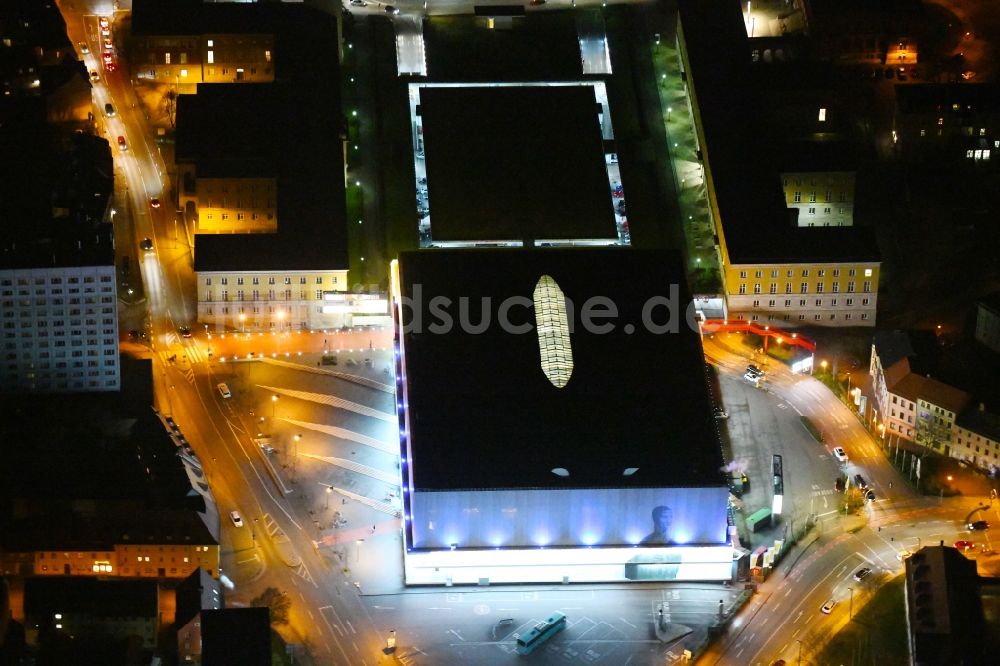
x=571, y=517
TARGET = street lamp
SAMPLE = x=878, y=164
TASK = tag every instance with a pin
x=329, y=490
x=800, y=651
x=243, y=319
x=274, y=401
x=850, y=610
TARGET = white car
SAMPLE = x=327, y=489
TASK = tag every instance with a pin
x=828, y=606
x=224, y=390
x=235, y=517
x=751, y=377
x=902, y=555
x=840, y=454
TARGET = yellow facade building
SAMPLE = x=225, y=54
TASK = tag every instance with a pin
x=774, y=268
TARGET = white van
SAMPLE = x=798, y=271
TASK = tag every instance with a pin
x=224, y=390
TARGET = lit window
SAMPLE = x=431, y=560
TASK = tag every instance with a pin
x=822, y=115
x=167, y=58
x=267, y=55
x=868, y=272
x=211, y=57
x=211, y=43
x=553, y=331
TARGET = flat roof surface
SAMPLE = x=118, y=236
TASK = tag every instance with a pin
x=745, y=176
x=236, y=636
x=513, y=163
x=484, y=415
x=282, y=131
x=538, y=47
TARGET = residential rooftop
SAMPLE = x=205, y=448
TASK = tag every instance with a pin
x=484, y=414
x=118, y=477
x=58, y=243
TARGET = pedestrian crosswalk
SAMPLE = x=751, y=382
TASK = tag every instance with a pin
x=180, y=363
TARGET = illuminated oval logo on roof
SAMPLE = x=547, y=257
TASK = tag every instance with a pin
x=553, y=331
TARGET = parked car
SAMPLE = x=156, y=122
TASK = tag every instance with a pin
x=862, y=573
x=840, y=454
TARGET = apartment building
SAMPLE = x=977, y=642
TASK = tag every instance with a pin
x=228, y=157
x=124, y=502
x=952, y=120
x=988, y=321
x=60, y=312
x=775, y=268
x=262, y=184
x=254, y=300
x=858, y=31
x=977, y=437
x=818, y=180
x=912, y=405
x=189, y=42
x=794, y=294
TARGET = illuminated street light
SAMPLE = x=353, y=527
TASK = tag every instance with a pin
x=243, y=319
x=274, y=401
x=329, y=490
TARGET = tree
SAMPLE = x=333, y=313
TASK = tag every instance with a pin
x=276, y=601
